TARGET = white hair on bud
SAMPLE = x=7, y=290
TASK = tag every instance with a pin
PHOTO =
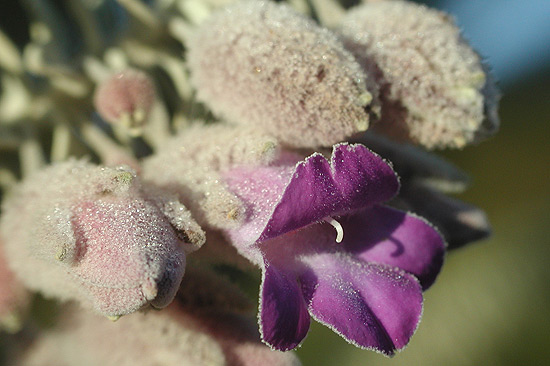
x=261, y=64
x=188, y=167
x=433, y=87
x=77, y=231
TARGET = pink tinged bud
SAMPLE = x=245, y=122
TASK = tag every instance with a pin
x=434, y=89
x=261, y=64
x=75, y=231
x=126, y=98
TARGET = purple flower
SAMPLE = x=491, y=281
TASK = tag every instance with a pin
x=330, y=251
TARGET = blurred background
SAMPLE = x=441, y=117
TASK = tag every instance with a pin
x=491, y=302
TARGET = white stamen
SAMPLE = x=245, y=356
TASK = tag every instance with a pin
x=338, y=227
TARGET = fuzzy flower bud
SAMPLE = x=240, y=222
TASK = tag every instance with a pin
x=126, y=98
x=261, y=64
x=93, y=234
x=191, y=168
x=434, y=89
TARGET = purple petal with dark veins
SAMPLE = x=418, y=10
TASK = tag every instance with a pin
x=356, y=178
x=389, y=236
x=284, y=319
x=372, y=306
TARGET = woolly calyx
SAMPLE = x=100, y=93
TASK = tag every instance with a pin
x=126, y=98
x=75, y=231
x=434, y=89
x=190, y=168
x=260, y=64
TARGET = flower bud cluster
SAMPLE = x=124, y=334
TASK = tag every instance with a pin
x=225, y=135
x=76, y=231
x=261, y=64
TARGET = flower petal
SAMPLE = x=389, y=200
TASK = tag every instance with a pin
x=460, y=222
x=260, y=188
x=284, y=320
x=387, y=236
x=370, y=305
x=356, y=178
